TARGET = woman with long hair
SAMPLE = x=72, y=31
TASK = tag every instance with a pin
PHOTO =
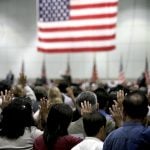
x=55, y=135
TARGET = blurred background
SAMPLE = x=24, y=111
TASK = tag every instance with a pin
x=18, y=27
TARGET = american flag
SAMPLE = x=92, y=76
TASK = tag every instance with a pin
x=94, y=72
x=68, y=69
x=121, y=71
x=76, y=25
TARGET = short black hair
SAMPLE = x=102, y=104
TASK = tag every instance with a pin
x=92, y=123
x=102, y=97
x=63, y=86
x=135, y=105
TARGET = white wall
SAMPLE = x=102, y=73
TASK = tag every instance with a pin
x=18, y=41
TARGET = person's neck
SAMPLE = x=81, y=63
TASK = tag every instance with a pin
x=98, y=136
x=129, y=119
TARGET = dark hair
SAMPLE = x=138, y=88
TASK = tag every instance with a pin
x=136, y=105
x=59, y=118
x=92, y=123
x=4, y=86
x=102, y=97
x=63, y=86
x=40, y=92
x=15, y=117
x=86, y=96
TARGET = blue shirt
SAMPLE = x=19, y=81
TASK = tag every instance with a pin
x=131, y=136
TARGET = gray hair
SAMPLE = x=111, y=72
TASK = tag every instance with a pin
x=87, y=96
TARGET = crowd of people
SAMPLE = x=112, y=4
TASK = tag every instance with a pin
x=72, y=116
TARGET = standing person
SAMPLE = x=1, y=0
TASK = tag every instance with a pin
x=10, y=78
x=133, y=135
x=76, y=128
x=17, y=130
x=94, y=125
x=55, y=135
x=103, y=101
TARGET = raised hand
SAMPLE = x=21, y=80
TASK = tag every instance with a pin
x=71, y=94
x=120, y=98
x=86, y=107
x=117, y=114
x=6, y=98
x=44, y=108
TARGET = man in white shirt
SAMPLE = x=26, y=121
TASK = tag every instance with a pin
x=94, y=126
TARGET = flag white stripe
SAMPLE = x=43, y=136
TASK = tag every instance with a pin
x=90, y=33
x=79, y=2
x=93, y=11
x=76, y=44
x=77, y=23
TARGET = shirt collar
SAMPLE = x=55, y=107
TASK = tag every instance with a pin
x=93, y=138
x=132, y=124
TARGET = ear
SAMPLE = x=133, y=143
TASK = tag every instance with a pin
x=102, y=133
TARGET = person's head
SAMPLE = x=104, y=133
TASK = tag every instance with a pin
x=63, y=86
x=58, y=120
x=4, y=86
x=18, y=91
x=102, y=97
x=135, y=105
x=40, y=92
x=86, y=96
x=15, y=117
x=94, y=125
x=54, y=95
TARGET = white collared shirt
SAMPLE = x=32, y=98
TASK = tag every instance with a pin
x=89, y=143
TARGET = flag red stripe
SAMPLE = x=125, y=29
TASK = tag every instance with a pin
x=98, y=5
x=97, y=16
x=77, y=39
x=92, y=27
x=72, y=50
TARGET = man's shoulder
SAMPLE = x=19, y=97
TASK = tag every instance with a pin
x=76, y=124
x=76, y=128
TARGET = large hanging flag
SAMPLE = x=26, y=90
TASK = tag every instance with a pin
x=121, y=77
x=76, y=25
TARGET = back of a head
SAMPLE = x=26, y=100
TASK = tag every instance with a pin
x=102, y=97
x=40, y=92
x=93, y=122
x=16, y=118
x=63, y=86
x=54, y=92
x=136, y=105
x=59, y=118
x=54, y=95
x=4, y=86
x=87, y=96
x=18, y=91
